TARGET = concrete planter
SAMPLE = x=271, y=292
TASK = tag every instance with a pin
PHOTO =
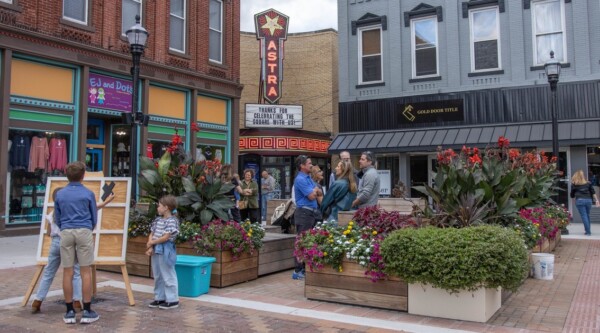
x=478, y=306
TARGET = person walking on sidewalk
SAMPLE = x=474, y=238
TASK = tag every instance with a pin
x=161, y=247
x=54, y=262
x=306, y=214
x=76, y=214
x=582, y=192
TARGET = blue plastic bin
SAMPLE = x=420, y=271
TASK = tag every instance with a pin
x=193, y=275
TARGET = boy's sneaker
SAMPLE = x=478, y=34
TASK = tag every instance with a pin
x=169, y=305
x=156, y=304
x=70, y=317
x=89, y=317
x=298, y=275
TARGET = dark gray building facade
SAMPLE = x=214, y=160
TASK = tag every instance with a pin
x=415, y=76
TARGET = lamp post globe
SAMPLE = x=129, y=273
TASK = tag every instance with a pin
x=552, y=69
x=137, y=37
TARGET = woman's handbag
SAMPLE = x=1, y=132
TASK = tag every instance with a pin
x=243, y=204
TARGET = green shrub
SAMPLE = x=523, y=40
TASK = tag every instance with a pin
x=457, y=259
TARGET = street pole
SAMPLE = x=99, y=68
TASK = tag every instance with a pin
x=552, y=68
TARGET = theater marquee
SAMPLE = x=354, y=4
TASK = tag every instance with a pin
x=271, y=29
x=273, y=116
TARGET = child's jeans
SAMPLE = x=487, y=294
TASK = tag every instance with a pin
x=50, y=272
x=165, y=280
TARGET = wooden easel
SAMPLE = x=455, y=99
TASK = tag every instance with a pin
x=110, y=235
x=42, y=265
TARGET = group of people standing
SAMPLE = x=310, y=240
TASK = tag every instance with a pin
x=345, y=193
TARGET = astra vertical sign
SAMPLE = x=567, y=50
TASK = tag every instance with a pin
x=271, y=30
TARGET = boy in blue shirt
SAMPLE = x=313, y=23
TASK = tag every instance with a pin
x=75, y=213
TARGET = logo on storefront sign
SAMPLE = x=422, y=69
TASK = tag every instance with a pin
x=271, y=30
x=434, y=111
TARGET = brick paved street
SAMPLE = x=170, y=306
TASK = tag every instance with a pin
x=276, y=303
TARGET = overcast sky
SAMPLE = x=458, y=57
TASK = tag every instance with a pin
x=305, y=15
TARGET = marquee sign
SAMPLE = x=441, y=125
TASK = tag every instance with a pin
x=271, y=29
x=273, y=116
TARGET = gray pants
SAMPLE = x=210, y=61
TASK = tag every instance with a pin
x=304, y=219
x=166, y=287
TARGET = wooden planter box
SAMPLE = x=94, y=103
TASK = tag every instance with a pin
x=226, y=271
x=276, y=254
x=479, y=305
x=138, y=263
x=351, y=286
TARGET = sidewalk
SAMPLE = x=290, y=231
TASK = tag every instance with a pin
x=276, y=303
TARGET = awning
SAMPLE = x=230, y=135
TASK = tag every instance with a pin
x=429, y=139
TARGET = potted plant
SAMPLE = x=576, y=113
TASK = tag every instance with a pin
x=235, y=247
x=456, y=273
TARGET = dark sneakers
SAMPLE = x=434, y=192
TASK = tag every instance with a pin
x=156, y=304
x=169, y=305
x=89, y=317
x=70, y=317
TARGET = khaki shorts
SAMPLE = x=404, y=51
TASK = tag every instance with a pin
x=76, y=244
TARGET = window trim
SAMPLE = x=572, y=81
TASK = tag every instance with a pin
x=124, y=29
x=86, y=11
x=472, y=39
x=479, y=4
x=534, y=32
x=360, y=31
x=184, y=29
x=414, y=49
x=220, y=61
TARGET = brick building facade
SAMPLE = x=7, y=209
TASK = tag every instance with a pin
x=65, y=76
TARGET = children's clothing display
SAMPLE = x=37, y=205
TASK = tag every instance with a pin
x=38, y=154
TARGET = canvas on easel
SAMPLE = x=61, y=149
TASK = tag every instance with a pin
x=110, y=234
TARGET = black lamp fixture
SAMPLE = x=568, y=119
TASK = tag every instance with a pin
x=137, y=37
x=552, y=68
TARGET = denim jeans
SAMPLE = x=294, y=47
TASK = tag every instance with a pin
x=263, y=204
x=584, y=206
x=50, y=272
x=166, y=287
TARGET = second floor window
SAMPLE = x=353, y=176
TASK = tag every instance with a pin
x=424, y=46
x=177, y=26
x=485, y=41
x=131, y=8
x=76, y=11
x=215, y=38
x=370, y=55
x=548, y=31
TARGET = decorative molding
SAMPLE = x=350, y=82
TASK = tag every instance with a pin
x=290, y=144
x=496, y=72
x=42, y=117
x=369, y=19
x=423, y=10
x=212, y=126
x=105, y=111
x=369, y=85
x=527, y=3
x=168, y=120
x=425, y=79
x=42, y=103
x=466, y=6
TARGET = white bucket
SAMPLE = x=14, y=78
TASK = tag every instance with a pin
x=543, y=266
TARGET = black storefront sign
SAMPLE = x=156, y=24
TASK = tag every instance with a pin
x=431, y=112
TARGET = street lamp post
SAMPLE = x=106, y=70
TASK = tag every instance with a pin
x=552, y=68
x=136, y=36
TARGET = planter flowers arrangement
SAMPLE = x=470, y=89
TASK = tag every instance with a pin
x=239, y=238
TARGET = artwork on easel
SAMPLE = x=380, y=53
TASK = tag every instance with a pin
x=110, y=235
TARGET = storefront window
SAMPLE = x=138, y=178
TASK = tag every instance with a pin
x=155, y=149
x=391, y=163
x=209, y=153
x=33, y=156
x=121, y=145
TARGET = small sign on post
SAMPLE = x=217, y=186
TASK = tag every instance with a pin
x=273, y=116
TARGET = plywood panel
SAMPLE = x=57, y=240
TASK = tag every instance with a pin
x=112, y=218
x=110, y=246
x=111, y=232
